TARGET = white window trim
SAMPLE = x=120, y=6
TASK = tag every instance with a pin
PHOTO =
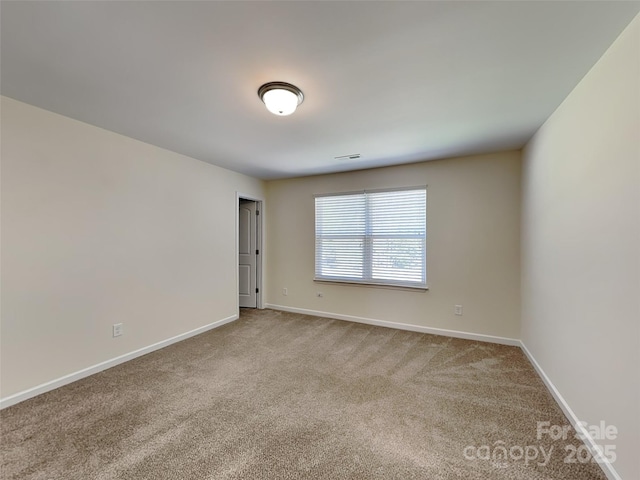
x=390, y=284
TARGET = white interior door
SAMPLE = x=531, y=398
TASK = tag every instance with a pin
x=247, y=253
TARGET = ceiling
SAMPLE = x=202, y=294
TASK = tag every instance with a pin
x=396, y=82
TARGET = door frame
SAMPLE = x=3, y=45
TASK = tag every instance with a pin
x=259, y=246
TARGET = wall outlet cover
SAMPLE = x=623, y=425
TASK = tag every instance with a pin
x=118, y=329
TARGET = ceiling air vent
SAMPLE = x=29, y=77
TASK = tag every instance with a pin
x=353, y=156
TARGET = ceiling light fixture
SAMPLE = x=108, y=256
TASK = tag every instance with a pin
x=280, y=98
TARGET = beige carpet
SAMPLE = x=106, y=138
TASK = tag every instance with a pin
x=283, y=396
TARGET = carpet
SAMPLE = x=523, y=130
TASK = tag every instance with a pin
x=278, y=395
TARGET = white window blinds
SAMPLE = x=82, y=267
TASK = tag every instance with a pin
x=374, y=237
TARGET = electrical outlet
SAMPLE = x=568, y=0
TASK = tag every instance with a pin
x=285, y=292
x=457, y=309
x=118, y=329
x=319, y=294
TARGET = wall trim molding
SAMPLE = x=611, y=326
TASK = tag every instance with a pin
x=85, y=372
x=400, y=326
x=594, y=449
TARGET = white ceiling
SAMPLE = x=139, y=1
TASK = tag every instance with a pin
x=396, y=82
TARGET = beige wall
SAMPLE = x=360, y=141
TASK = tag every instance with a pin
x=581, y=247
x=473, y=215
x=98, y=228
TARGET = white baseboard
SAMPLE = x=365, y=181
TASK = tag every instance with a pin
x=85, y=372
x=401, y=326
x=606, y=466
x=594, y=449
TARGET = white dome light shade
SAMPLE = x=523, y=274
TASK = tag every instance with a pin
x=280, y=98
x=280, y=102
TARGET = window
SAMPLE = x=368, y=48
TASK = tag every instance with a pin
x=376, y=237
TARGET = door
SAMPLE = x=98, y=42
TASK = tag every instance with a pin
x=247, y=253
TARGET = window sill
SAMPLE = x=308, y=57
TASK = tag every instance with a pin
x=372, y=285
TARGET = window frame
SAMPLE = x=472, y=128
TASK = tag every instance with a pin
x=367, y=244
